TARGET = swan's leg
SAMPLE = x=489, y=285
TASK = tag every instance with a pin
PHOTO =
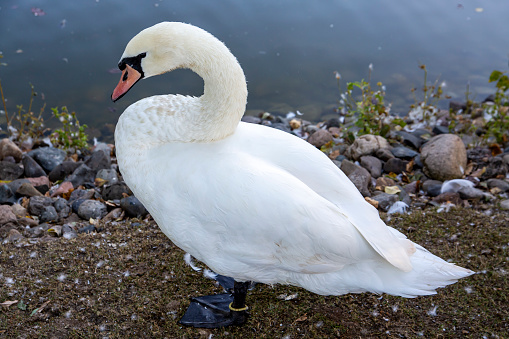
x=218, y=310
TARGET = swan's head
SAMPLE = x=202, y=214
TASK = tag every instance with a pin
x=156, y=50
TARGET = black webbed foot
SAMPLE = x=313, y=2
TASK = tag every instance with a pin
x=218, y=310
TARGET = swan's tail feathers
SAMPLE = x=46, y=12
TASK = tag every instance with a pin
x=429, y=272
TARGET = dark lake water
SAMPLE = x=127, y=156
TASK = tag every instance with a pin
x=289, y=49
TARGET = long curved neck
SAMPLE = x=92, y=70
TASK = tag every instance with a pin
x=224, y=98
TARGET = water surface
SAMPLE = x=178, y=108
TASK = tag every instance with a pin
x=289, y=49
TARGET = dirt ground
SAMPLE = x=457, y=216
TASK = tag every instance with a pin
x=129, y=281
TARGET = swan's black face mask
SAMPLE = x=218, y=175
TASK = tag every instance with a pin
x=132, y=72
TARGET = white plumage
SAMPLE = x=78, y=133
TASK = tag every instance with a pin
x=252, y=202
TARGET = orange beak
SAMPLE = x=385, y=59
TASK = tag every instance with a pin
x=129, y=77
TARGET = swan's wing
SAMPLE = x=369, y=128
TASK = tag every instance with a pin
x=320, y=174
x=239, y=213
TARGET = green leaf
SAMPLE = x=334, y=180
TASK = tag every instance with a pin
x=22, y=306
x=495, y=75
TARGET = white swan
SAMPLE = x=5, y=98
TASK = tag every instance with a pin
x=249, y=201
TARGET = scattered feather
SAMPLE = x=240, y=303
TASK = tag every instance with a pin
x=455, y=185
x=189, y=261
x=209, y=274
x=432, y=311
x=398, y=207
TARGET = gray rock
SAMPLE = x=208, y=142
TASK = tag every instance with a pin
x=474, y=193
x=62, y=207
x=504, y=204
x=115, y=191
x=36, y=204
x=385, y=200
x=97, y=161
x=498, y=183
x=496, y=168
x=6, y=215
x=366, y=145
x=81, y=194
x=87, y=229
x=27, y=190
x=109, y=175
x=282, y=127
x=133, y=207
x=92, y=209
x=251, y=119
x=9, y=149
x=404, y=153
x=48, y=157
x=75, y=206
x=82, y=175
x=15, y=184
x=31, y=168
x=372, y=164
x=64, y=169
x=37, y=231
x=432, y=187
x=437, y=130
x=384, y=154
x=48, y=213
x=10, y=171
x=395, y=165
x=6, y=195
x=444, y=157
x=320, y=138
x=410, y=139
x=358, y=175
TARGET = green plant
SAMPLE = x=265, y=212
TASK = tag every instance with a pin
x=425, y=110
x=370, y=112
x=72, y=134
x=497, y=125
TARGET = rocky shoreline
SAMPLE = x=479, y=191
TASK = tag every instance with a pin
x=47, y=194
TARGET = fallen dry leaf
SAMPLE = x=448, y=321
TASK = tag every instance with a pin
x=8, y=303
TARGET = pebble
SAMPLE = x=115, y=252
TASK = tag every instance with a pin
x=10, y=171
x=9, y=149
x=366, y=145
x=64, y=169
x=403, y=152
x=133, y=207
x=410, y=139
x=28, y=190
x=504, y=204
x=500, y=184
x=87, y=229
x=372, y=164
x=37, y=204
x=98, y=160
x=109, y=175
x=32, y=168
x=385, y=200
x=6, y=195
x=320, y=138
x=92, y=209
x=48, y=157
x=82, y=175
x=6, y=215
x=444, y=157
x=358, y=175
x=115, y=191
x=48, y=214
x=395, y=165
